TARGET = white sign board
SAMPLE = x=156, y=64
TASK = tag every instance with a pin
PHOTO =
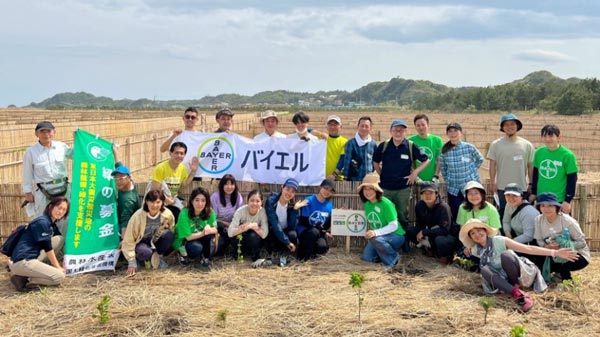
x=347, y=222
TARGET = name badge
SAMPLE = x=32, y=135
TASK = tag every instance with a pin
x=557, y=163
x=465, y=159
x=518, y=157
x=403, y=156
x=377, y=209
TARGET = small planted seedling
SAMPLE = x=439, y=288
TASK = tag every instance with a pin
x=102, y=307
x=518, y=331
x=240, y=256
x=486, y=303
x=574, y=286
x=356, y=281
x=222, y=317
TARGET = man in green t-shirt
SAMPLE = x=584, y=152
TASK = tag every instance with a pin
x=554, y=169
x=430, y=145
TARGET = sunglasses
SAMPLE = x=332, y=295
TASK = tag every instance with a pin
x=192, y=117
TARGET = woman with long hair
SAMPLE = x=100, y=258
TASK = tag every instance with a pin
x=225, y=201
x=196, y=229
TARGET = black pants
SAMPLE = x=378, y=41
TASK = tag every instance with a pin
x=274, y=245
x=251, y=244
x=441, y=245
x=312, y=242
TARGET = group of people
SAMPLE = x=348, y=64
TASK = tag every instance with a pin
x=220, y=223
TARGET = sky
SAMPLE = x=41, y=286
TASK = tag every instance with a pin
x=183, y=49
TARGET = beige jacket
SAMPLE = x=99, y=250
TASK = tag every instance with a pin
x=136, y=227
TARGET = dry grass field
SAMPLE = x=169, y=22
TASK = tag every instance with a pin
x=420, y=298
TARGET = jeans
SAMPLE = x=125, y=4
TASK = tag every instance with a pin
x=201, y=247
x=143, y=251
x=454, y=202
x=384, y=247
x=274, y=245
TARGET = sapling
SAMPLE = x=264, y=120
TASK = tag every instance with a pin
x=222, y=317
x=518, y=331
x=103, y=310
x=356, y=281
x=574, y=286
x=486, y=303
x=240, y=256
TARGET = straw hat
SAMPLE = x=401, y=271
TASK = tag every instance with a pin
x=466, y=228
x=370, y=180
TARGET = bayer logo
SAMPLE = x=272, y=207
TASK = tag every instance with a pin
x=356, y=223
x=215, y=155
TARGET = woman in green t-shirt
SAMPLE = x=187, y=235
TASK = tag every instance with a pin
x=475, y=206
x=196, y=229
x=384, y=235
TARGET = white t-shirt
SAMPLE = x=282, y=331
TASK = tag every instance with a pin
x=281, y=211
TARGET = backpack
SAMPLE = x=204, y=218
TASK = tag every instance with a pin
x=11, y=241
x=410, y=149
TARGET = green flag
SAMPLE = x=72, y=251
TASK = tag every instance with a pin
x=92, y=238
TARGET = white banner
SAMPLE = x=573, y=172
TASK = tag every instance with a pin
x=270, y=161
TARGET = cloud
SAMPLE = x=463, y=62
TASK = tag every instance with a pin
x=543, y=56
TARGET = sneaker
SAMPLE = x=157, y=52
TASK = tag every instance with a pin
x=20, y=282
x=206, y=263
x=523, y=299
x=155, y=260
x=162, y=264
x=184, y=260
x=147, y=265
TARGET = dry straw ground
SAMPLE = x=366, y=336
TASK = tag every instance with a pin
x=309, y=299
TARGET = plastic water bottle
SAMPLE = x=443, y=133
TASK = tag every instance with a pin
x=565, y=234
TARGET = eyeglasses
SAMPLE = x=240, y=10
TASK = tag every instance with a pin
x=192, y=117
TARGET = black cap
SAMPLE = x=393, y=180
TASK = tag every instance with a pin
x=454, y=125
x=328, y=184
x=44, y=125
x=428, y=186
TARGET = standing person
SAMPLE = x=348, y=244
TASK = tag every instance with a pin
x=475, y=206
x=173, y=174
x=395, y=162
x=224, y=118
x=335, y=147
x=433, y=224
x=149, y=234
x=459, y=163
x=300, y=120
x=554, y=169
x=128, y=199
x=190, y=120
x=45, y=170
x=358, y=152
x=27, y=267
x=225, y=201
x=196, y=229
x=250, y=222
x=283, y=218
x=315, y=221
x=550, y=227
x=270, y=122
x=430, y=145
x=384, y=235
x=501, y=269
x=511, y=159
x=518, y=220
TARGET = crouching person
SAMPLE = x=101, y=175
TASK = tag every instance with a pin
x=26, y=268
x=196, y=234
x=149, y=234
x=314, y=221
x=433, y=230
x=501, y=269
x=249, y=227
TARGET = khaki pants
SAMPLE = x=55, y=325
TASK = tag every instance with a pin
x=38, y=272
x=58, y=241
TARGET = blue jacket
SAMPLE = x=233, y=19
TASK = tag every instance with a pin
x=274, y=227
